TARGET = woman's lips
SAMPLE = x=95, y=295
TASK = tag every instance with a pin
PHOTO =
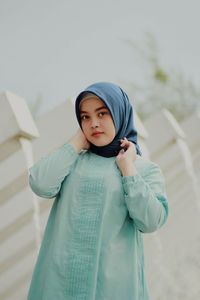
x=97, y=133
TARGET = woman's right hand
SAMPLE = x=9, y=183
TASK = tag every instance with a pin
x=79, y=141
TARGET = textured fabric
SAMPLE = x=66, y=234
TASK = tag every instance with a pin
x=92, y=247
x=121, y=110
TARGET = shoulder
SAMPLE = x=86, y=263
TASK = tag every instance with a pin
x=146, y=166
x=143, y=163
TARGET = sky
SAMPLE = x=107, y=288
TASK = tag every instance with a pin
x=54, y=49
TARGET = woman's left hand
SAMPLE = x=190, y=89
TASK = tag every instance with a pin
x=126, y=158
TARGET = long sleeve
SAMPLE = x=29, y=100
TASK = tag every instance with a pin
x=47, y=175
x=146, y=199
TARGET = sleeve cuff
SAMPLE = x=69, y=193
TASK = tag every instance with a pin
x=129, y=181
x=70, y=149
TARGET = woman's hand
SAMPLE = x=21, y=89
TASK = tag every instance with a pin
x=79, y=141
x=126, y=158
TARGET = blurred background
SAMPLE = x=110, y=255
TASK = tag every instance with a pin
x=50, y=51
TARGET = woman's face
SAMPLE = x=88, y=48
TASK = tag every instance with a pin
x=96, y=121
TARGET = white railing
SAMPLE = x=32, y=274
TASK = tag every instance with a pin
x=175, y=147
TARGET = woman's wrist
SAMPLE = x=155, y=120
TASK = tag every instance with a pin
x=129, y=171
x=75, y=145
x=79, y=141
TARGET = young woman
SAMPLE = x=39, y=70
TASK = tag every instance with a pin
x=106, y=197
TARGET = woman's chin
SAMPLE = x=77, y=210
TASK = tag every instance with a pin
x=100, y=143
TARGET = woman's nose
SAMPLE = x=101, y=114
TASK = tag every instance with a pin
x=94, y=123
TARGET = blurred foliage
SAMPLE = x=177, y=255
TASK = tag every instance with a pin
x=161, y=88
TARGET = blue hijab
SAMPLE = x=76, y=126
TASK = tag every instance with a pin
x=121, y=111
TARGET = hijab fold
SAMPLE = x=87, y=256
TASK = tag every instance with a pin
x=121, y=111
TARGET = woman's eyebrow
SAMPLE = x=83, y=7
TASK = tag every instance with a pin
x=97, y=109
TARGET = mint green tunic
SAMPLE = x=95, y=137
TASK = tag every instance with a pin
x=92, y=247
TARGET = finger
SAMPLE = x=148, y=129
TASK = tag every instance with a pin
x=124, y=141
x=121, y=153
x=125, y=145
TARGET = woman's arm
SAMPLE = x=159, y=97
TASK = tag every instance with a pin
x=47, y=175
x=145, y=195
x=146, y=199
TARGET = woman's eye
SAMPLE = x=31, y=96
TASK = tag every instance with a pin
x=84, y=117
x=101, y=114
